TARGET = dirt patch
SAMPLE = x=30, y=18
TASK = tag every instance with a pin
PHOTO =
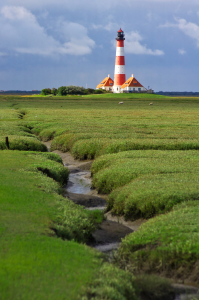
x=47, y=144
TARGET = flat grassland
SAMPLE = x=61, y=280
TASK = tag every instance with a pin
x=146, y=157
x=35, y=264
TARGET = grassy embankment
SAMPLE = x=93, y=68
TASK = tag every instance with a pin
x=145, y=183
x=35, y=263
x=90, y=126
x=20, y=135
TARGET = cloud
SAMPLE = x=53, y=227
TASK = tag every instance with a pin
x=133, y=45
x=188, y=28
x=21, y=32
x=181, y=51
x=109, y=26
x=17, y=13
x=3, y=54
x=80, y=43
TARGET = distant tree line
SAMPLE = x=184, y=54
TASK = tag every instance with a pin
x=71, y=90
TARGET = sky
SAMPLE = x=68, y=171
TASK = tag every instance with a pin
x=50, y=43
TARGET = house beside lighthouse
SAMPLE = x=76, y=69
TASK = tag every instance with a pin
x=106, y=84
x=120, y=84
x=132, y=85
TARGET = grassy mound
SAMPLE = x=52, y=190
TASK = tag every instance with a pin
x=167, y=245
x=66, y=141
x=22, y=143
x=92, y=148
x=145, y=183
x=48, y=155
x=121, y=286
x=115, y=170
x=154, y=194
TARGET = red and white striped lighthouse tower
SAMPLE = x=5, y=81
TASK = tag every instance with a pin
x=120, y=77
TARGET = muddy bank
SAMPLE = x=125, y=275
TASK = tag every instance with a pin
x=132, y=225
x=88, y=201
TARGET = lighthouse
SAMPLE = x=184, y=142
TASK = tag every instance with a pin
x=119, y=77
x=120, y=85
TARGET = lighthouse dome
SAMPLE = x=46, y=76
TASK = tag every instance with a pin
x=120, y=35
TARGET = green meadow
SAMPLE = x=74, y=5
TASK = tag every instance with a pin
x=42, y=253
x=35, y=263
x=145, y=159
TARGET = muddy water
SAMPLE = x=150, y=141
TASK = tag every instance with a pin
x=79, y=183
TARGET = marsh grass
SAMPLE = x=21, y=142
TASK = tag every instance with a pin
x=154, y=287
x=146, y=183
x=106, y=127
x=22, y=143
x=89, y=127
x=167, y=244
x=19, y=135
x=121, y=286
x=35, y=263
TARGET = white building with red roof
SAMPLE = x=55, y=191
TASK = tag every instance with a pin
x=106, y=84
x=132, y=85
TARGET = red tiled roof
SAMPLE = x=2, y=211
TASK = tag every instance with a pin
x=106, y=82
x=131, y=82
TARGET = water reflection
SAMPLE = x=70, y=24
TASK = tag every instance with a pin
x=78, y=183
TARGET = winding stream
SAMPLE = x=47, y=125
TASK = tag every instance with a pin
x=109, y=234
x=78, y=189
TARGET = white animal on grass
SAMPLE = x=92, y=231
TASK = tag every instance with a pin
x=121, y=103
x=151, y=103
